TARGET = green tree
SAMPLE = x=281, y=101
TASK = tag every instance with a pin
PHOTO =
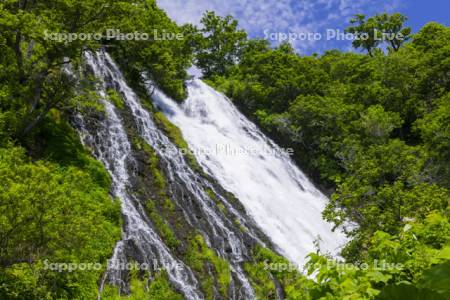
x=434, y=128
x=220, y=45
x=34, y=36
x=164, y=57
x=373, y=31
x=393, y=27
x=35, y=80
x=366, y=33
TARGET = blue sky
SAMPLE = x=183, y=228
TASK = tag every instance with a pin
x=303, y=18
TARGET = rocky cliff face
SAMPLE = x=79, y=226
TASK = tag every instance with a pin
x=173, y=211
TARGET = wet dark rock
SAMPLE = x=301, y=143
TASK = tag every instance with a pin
x=185, y=213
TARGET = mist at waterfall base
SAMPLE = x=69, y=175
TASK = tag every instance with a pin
x=275, y=193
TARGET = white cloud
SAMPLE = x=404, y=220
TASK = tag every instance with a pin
x=280, y=15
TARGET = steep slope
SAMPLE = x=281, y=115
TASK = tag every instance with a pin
x=274, y=191
x=176, y=216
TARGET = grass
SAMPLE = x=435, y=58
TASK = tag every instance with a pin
x=213, y=197
x=175, y=135
x=166, y=204
x=260, y=280
x=261, y=275
x=159, y=288
x=115, y=99
x=152, y=163
x=198, y=255
x=212, y=271
x=162, y=226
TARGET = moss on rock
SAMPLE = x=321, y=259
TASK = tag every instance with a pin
x=199, y=256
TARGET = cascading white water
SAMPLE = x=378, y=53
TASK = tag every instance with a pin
x=274, y=192
x=281, y=199
x=112, y=147
x=180, y=171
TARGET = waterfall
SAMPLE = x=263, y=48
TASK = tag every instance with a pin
x=112, y=147
x=220, y=232
x=188, y=189
x=278, y=205
x=276, y=194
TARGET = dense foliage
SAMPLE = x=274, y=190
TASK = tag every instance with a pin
x=54, y=211
x=55, y=207
x=218, y=44
x=39, y=39
x=374, y=131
